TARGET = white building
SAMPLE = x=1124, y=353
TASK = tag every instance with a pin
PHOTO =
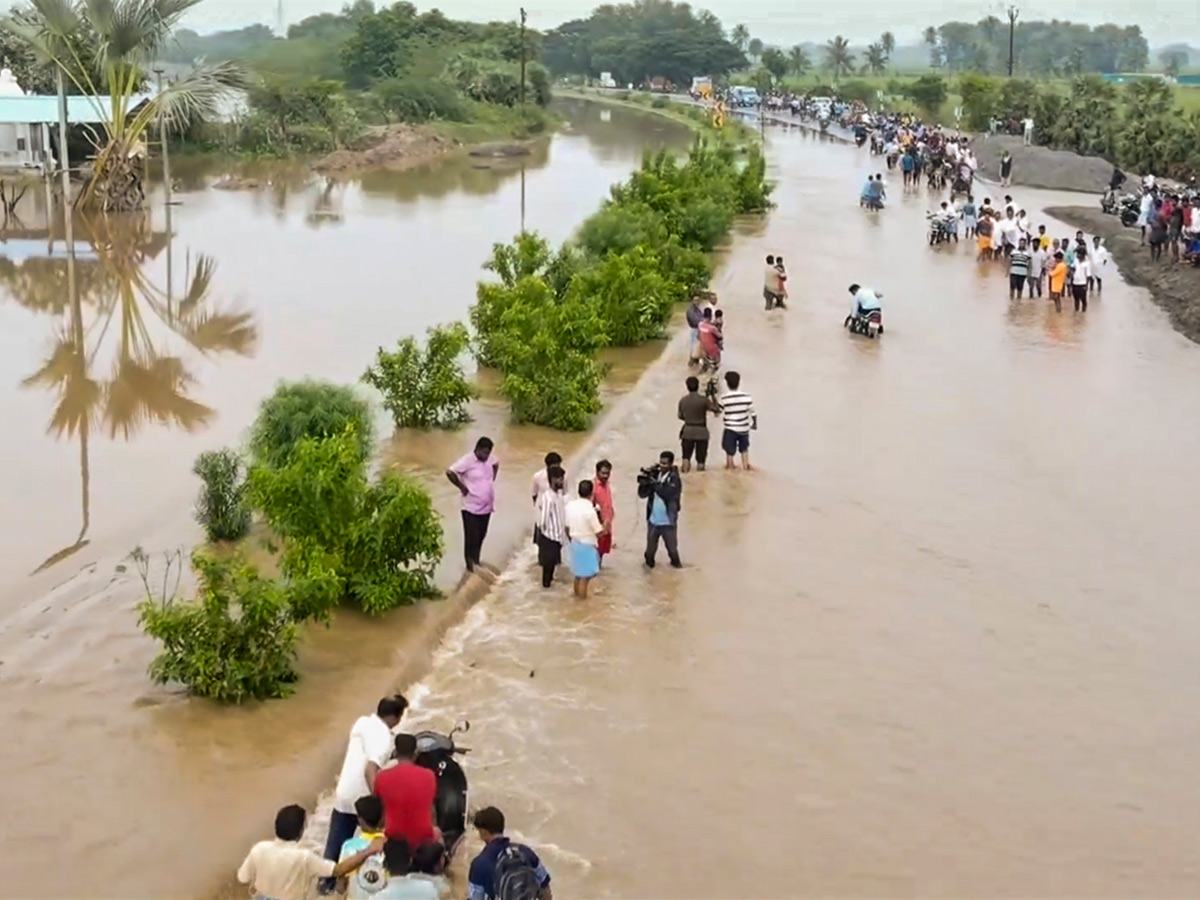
x=26, y=121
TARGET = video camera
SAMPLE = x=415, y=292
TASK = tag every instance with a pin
x=648, y=474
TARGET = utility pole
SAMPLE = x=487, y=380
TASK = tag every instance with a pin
x=1013, y=12
x=64, y=162
x=162, y=136
x=522, y=65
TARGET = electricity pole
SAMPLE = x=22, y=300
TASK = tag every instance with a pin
x=522, y=65
x=1013, y=12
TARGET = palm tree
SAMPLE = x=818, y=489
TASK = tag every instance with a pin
x=740, y=36
x=104, y=47
x=935, y=53
x=798, y=61
x=876, y=61
x=838, y=57
x=888, y=41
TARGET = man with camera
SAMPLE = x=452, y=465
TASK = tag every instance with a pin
x=662, y=489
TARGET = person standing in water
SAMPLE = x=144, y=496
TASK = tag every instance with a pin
x=602, y=495
x=367, y=751
x=583, y=531
x=663, y=492
x=694, y=408
x=550, y=534
x=740, y=419
x=541, y=478
x=283, y=870
x=1100, y=258
x=475, y=477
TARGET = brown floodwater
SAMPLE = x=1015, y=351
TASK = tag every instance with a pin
x=939, y=643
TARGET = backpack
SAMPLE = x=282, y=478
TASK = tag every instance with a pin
x=516, y=876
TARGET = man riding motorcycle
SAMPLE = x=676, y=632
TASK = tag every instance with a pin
x=865, y=300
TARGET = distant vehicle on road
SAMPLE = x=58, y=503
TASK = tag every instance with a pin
x=743, y=97
x=823, y=107
x=606, y=80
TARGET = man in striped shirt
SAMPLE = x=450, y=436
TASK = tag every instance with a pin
x=550, y=534
x=740, y=419
x=1018, y=270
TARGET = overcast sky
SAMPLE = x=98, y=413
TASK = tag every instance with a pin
x=783, y=22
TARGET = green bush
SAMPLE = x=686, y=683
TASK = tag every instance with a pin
x=425, y=388
x=308, y=409
x=235, y=641
x=378, y=543
x=221, y=507
x=643, y=251
x=420, y=99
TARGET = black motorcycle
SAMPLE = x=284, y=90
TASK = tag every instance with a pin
x=436, y=752
x=867, y=322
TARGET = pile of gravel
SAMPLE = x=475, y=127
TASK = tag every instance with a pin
x=1039, y=167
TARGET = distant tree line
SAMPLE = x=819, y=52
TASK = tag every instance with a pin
x=642, y=40
x=1042, y=48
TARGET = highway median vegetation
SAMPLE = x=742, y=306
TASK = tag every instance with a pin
x=617, y=284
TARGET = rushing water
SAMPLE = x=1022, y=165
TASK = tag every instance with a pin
x=167, y=351
x=940, y=643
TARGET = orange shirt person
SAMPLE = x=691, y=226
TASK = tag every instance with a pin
x=1058, y=279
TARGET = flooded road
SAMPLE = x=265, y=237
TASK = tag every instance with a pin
x=168, y=352
x=939, y=644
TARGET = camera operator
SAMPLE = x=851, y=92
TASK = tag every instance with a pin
x=662, y=489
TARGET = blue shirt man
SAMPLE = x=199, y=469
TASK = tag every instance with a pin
x=481, y=880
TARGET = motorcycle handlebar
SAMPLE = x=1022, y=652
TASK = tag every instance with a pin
x=462, y=749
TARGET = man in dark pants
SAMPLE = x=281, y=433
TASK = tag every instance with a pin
x=369, y=748
x=662, y=491
x=475, y=477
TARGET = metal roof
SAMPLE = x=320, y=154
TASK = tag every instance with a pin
x=80, y=110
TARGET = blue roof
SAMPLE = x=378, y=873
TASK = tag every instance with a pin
x=80, y=110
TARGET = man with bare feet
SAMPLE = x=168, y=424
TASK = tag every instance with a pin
x=740, y=419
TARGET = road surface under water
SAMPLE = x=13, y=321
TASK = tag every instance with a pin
x=940, y=643
x=156, y=796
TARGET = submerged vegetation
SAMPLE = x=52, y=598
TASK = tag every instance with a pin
x=644, y=251
x=425, y=387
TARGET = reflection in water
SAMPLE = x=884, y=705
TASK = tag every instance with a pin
x=106, y=367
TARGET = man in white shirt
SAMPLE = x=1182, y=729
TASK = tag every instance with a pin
x=1080, y=275
x=583, y=531
x=541, y=478
x=1100, y=258
x=1028, y=123
x=1038, y=260
x=283, y=870
x=369, y=749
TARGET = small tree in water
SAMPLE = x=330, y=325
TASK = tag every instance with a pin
x=104, y=50
x=425, y=388
x=221, y=507
x=235, y=641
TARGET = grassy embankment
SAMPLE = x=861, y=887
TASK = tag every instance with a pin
x=695, y=118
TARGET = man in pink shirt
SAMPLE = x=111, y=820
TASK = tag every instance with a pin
x=475, y=477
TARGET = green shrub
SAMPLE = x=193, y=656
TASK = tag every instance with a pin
x=659, y=103
x=378, y=543
x=221, y=507
x=425, y=388
x=235, y=641
x=631, y=294
x=308, y=409
x=420, y=99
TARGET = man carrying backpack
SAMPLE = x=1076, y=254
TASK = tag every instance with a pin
x=504, y=870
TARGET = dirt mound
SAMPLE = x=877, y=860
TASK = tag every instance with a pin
x=1176, y=288
x=1040, y=167
x=393, y=147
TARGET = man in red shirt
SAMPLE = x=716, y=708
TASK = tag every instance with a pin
x=408, y=791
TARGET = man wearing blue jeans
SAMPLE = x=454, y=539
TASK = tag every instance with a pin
x=369, y=749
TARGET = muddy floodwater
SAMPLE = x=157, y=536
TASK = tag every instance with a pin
x=940, y=643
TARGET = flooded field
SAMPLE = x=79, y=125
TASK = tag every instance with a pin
x=939, y=644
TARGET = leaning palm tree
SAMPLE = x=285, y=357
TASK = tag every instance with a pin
x=798, y=61
x=103, y=47
x=876, y=60
x=838, y=57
